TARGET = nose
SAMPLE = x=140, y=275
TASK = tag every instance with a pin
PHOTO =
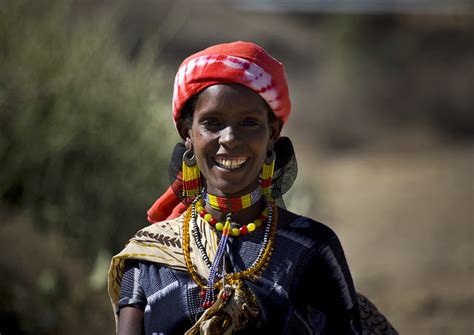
x=229, y=137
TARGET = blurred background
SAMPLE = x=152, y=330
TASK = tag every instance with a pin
x=382, y=124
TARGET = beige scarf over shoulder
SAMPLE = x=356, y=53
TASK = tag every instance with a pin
x=160, y=243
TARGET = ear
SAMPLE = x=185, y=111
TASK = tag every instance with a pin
x=183, y=129
x=275, y=130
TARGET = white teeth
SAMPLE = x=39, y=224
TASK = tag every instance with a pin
x=231, y=164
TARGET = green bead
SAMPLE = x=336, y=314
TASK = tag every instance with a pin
x=258, y=223
x=251, y=226
x=208, y=217
x=235, y=231
x=219, y=226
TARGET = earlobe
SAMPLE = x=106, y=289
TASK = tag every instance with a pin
x=188, y=143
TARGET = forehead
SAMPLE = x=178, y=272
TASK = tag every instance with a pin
x=230, y=99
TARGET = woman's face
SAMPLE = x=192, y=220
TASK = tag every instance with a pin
x=231, y=134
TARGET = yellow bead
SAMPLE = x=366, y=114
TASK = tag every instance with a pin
x=208, y=217
x=235, y=231
x=199, y=209
x=258, y=223
x=251, y=226
x=219, y=226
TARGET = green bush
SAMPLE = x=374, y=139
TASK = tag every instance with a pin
x=85, y=133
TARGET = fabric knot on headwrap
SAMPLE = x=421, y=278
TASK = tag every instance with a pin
x=239, y=62
x=242, y=63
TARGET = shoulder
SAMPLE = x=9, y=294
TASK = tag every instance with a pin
x=312, y=233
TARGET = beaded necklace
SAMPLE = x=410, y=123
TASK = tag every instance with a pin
x=208, y=289
x=235, y=229
x=227, y=205
x=197, y=237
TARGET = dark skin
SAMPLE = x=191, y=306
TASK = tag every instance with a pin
x=130, y=321
x=230, y=132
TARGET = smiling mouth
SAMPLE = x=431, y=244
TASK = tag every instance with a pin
x=230, y=163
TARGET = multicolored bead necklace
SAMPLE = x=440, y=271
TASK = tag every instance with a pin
x=235, y=229
x=262, y=259
x=197, y=237
x=227, y=205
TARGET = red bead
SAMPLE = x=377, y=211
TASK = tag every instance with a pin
x=243, y=230
x=207, y=304
x=212, y=221
x=225, y=296
x=203, y=294
x=262, y=218
x=202, y=213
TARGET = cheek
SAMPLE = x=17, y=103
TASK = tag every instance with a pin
x=261, y=143
x=260, y=152
x=201, y=161
x=203, y=147
x=260, y=159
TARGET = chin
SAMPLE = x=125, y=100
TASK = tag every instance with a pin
x=231, y=187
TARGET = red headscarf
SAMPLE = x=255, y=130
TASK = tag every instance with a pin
x=239, y=62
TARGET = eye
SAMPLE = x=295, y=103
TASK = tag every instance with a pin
x=211, y=122
x=250, y=122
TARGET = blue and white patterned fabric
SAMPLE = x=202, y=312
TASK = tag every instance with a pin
x=306, y=289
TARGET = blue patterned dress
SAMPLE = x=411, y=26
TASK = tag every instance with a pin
x=306, y=289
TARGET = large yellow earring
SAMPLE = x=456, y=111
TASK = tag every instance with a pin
x=191, y=175
x=267, y=174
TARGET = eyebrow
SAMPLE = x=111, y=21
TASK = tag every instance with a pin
x=244, y=113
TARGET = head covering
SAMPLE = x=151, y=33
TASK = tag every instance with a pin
x=242, y=63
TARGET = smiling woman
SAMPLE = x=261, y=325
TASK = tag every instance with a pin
x=231, y=134
x=224, y=255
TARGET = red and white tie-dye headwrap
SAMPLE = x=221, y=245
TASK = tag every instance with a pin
x=240, y=63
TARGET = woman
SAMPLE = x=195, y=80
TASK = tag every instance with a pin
x=222, y=257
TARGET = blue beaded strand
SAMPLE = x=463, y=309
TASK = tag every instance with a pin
x=210, y=294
